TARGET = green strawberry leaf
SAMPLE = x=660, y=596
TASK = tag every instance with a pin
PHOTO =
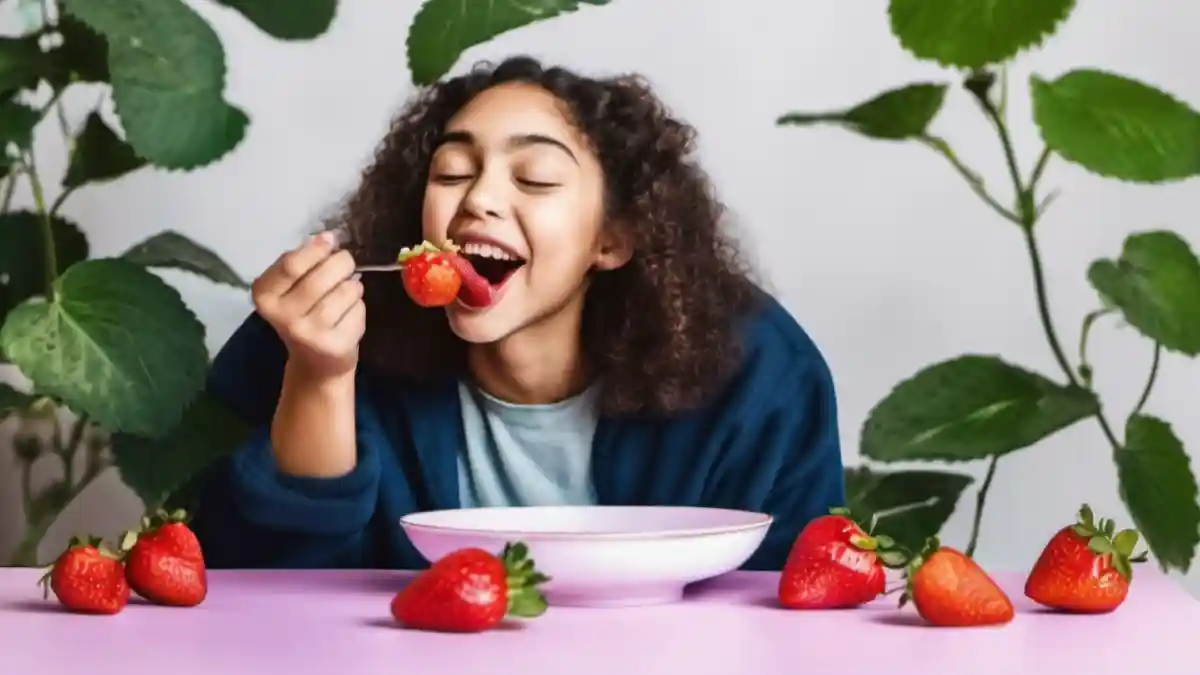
x=910, y=506
x=168, y=77
x=1117, y=127
x=82, y=56
x=99, y=155
x=970, y=34
x=23, y=259
x=1156, y=285
x=155, y=469
x=172, y=250
x=115, y=342
x=12, y=401
x=22, y=64
x=443, y=29
x=1157, y=484
x=287, y=19
x=896, y=114
x=1125, y=542
x=970, y=407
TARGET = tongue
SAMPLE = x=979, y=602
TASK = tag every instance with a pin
x=475, y=291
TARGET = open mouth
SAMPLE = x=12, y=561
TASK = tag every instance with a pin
x=488, y=267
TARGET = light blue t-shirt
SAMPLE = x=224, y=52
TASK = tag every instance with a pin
x=526, y=455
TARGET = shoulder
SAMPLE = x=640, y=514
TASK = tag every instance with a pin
x=778, y=355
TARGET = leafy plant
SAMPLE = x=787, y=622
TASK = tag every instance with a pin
x=980, y=407
x=106, y=339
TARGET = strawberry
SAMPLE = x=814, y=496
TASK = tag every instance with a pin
x=471, y=590
x=429, y=276
x=87, y=578
x=1085, y=567
x=950, y=589
x=835, y=564
x=163, y=561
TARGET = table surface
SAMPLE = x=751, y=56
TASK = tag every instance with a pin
x=329, y=622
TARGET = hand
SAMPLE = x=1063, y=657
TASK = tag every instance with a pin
x=313, y=300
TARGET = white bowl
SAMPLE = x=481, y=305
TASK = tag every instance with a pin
x=602, y=556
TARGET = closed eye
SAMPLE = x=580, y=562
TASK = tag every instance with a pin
x=537, y=184
x=451, y=178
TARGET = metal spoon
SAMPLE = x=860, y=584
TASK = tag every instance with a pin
x=378, y=268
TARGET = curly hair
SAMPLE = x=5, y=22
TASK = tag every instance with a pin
x=660, y=331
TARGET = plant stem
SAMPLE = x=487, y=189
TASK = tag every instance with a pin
x=39, y=198
x=980, y=500
x=1039, y=285
x=1085, y=332
x=10, y=186
x=1149, y=381
x=973, y=180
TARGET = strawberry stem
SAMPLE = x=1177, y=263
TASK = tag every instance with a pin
x=524, y=599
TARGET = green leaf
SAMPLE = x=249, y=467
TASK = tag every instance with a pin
x=287, y=19
x=12, y=401
x=173, y=250
x=23, y=259
x=971, y=34
x=896, y=114
x=1159, y=488
x=82, y=56
x=1156, y=285
x=1125, y=541
x=920, y=501
x=155, y=469
x=115, y=342
x=167, y=69
x=968, y=408
x=99, y=155
x=1117, y=127
x=17, y=122
x=22, y=64
x=443, y=29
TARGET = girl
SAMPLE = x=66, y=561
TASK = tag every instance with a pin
x=623, y=357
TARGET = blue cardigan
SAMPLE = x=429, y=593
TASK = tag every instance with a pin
x=768, y=443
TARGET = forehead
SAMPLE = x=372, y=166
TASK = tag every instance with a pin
x=514, y=108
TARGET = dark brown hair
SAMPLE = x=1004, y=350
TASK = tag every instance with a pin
x=661, y=330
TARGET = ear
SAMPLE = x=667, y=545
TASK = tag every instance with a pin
x=615, y=247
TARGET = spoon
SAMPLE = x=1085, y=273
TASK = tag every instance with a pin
x=394, y=267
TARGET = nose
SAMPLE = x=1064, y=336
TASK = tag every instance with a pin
x=485, y=200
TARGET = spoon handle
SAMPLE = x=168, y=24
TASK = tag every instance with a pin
x=377, y=268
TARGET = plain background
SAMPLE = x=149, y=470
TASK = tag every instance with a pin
x=879, y=249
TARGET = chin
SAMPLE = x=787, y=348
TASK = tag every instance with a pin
x=477, y=327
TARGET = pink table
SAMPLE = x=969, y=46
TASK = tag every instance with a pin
x=327, y=623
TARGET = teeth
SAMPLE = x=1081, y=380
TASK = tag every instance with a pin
x=485, y=250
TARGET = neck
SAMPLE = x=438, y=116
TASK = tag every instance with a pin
x=542, y=363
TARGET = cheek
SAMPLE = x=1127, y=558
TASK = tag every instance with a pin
x=437, y=212
x=562, y=241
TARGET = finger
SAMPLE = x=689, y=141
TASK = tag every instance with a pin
x=319, y=281
x=330, y=309
x=354, y=323
x=294, y=265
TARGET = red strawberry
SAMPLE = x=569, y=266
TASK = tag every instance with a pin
x=471, y=590
x=1085, y=567
x=950, y=589
x=429, y=277
x=164, y=563
x=87, y=578
x=835, y=564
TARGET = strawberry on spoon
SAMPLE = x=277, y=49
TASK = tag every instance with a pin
x=429, y=277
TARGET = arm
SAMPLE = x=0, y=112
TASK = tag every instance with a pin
x=785, y=457
x=250, y=513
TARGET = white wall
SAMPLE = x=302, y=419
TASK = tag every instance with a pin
x=878, y=249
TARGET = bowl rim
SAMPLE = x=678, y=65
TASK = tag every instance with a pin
x=761, y=521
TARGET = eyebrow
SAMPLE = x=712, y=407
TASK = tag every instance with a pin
x=515, y=142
